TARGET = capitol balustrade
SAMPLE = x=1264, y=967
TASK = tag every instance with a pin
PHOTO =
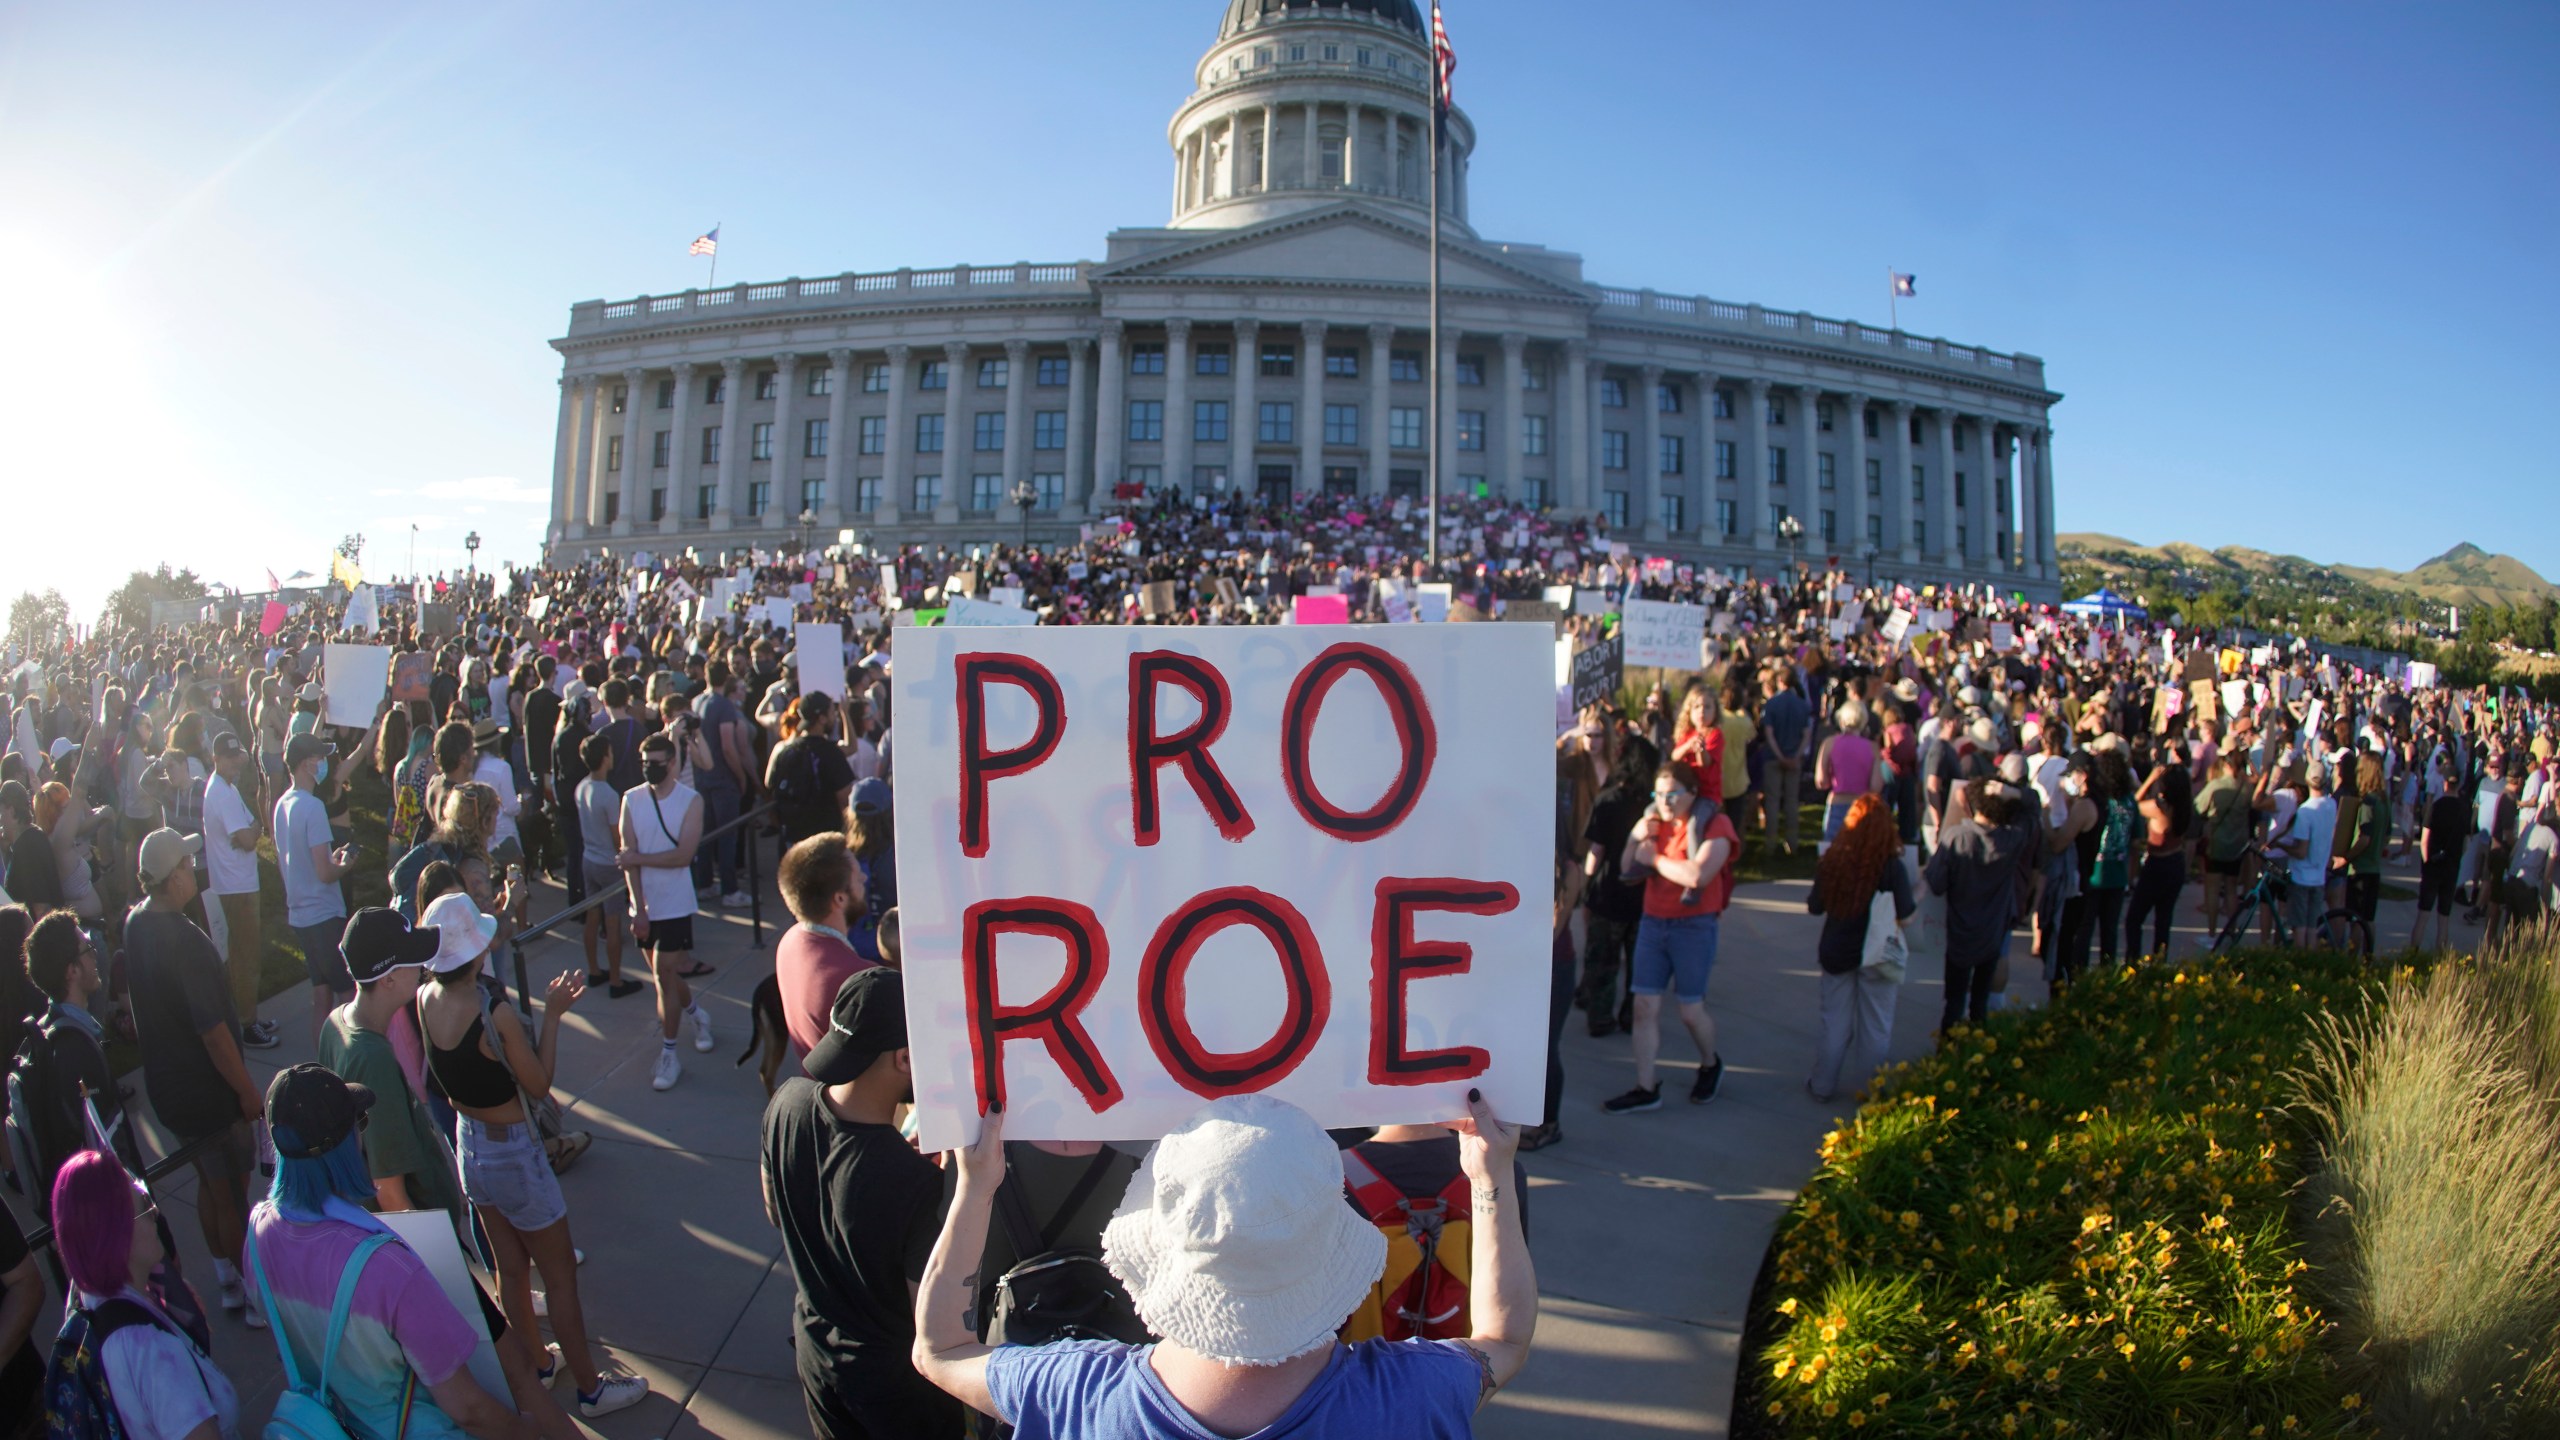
x=1847, y=336
x=889, y=288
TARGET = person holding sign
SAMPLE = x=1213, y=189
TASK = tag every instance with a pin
x=1684, y=899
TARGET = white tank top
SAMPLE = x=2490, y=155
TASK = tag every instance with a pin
x=666, y=892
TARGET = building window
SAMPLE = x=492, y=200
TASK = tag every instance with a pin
x=1407, y=483
x=1342, y=425
x=1915, y=429
x=1261, y=54
x=1363, y=55
x=760, y=440
x=657, y=505
x=710, y=444
x=666, y=394
x=822, y=380
x=1209, y=420
x=612, y=453
x=1830, y=527
x=875, y=379
x=1960, y=496
x=1474, y=485
x=1279, y=360
x=1919, y=486
x=612, y=506
x=1470, y=369
x=759, y=496
x=990, y=430
x=1297, y=53
x=1875, y=531
x=1957, y=433
x=874, y=436
x=1342, y=363
x=1213, y=358
x=715, y=391
x=934, y=376
x=1920, y=533
x=927, y=492
x=621, y=398
x=813, y=493
x=1724, y=404
x=1533, y=491
x=1828, y=466
x=1777, y=465
x=1675, y=514
x=1333, y=52
x=1049, y=430
x=1613, y=394
x=1208, y=479
x=1875, y=479
x=1613, y=504
x=1666, y=398
x=2003, y=538
x=813, y=440
x=1777, y=410
x=1533, y=434
x=1404, y=427
x=1146, y=358
x=1869, y=419
x=1052, y=370
x=994, y=374
x=928, y=434
x=1962, y=531
x=1052, y=488
x=1146, y=477
x=1279, y=422
x=1777, y=517
x=1672, y=455
x=986, y=492
x=1533, y=374
x=1404, y=365
x=866, y=494
x=706, y=498
x=1728, y=518
x=768, y=383
x=1724, y=460
x=1330, y=159
x=658, y=449
x=1471, y=430
x=1146, y=420
x=1822, y=416
x=1613, y=449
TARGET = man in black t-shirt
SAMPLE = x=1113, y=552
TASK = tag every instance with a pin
x=859, y=1211
x=2444, y=834
x=35, y=881
x=1613, y=905
x=808, y=774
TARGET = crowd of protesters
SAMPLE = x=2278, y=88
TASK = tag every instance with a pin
x=2039, y=785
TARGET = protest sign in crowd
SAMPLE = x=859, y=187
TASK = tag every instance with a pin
x=1341, y=823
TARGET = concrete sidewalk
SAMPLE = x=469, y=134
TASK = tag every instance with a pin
x=1646, y=1230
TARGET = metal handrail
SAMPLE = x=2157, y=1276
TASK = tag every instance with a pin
x=41, y=1236
x=755, y=893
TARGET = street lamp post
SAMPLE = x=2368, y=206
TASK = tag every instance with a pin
x=471, y=543
x=808, y=529
x=1791, y=530
x=1025, y=495
x=1871, y=567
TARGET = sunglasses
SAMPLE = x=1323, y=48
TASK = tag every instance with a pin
x=1673, y=793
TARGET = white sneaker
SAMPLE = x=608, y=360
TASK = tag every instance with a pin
x=233, y=1298
x=663, y=1077
x=541, y=1306
x=255, y=1317
x=736, y=900
x=549, y=1371
x=702, y=1040
x=613, y=1392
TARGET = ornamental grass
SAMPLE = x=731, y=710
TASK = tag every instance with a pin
x=2074, y=1221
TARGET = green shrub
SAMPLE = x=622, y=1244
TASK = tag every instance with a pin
x=2075, y=1221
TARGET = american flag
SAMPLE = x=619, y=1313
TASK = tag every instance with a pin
x=1444, y=70
x=706, y=244
x=1902, y=285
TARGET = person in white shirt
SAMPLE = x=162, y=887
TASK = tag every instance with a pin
x=2304, y=849
x=490, y=768
x=661, y=828
x=231, y=869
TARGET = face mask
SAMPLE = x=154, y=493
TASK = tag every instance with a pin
x=320, y=774
x=654, y=771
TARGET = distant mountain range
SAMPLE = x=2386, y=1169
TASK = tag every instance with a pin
x=2465, y=575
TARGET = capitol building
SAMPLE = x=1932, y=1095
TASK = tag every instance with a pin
x=1273, y=337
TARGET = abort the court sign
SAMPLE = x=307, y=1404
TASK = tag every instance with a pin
x=1141, y=868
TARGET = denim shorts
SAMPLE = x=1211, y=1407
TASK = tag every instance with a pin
x=322, y=962
x=1675, y=955
x=504, y=1168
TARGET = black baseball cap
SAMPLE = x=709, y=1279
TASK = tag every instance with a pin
x=310, y=1111
x=307, y=746
x=869, y=1020
x=227, y=744
x=378, y=941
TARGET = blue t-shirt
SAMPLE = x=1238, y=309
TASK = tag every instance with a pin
x=302, y=825
x=1785, y=718
x=1102, y=1390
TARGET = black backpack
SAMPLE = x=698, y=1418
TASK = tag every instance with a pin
x=44, y=1128
x=1056, y=1292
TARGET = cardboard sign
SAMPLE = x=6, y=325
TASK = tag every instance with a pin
x=1320, y=610
x=818, y=662
x=2200, y=665
x=1157, y=598
x=355, y=678
x=437, y=620
x=1598, y=670
x=1536, y=611
x=412, y=672
x=1300, y=871
x=965, y=611
x=1462, y=613
x=1663, y=633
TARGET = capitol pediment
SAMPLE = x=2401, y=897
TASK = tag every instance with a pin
x=1345, y=245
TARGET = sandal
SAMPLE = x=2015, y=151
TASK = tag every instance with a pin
x=697, y=972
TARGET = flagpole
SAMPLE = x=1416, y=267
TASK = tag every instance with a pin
x=1431, y=453
x=1892, y=298
x=714, y=282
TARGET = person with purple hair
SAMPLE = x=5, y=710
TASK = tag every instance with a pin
x=164, y=1387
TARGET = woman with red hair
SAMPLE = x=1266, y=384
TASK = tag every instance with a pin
x=1865, y=860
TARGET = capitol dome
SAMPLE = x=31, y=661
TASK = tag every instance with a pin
x=1245, y=14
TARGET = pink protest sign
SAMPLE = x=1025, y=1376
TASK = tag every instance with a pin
x=273, y=619
x=1322, y=610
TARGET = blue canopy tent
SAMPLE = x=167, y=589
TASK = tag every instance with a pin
x=2107, y=605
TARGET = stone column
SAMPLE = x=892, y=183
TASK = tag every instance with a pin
x=1898, y=507
x=1382, y=400
x=782, y=473
x=959, y=452
x=684, y=450
x=1314, y=175
x=635, y=455
x=840, y=441
x=1854, y=480
x=1177, y=403
x=1444, y=426
x=897, y=450
x=1268, y=177
x=1353, y=170
x=1311, y=408
x=1570, y=450
x=1244, y=411
x=2046, y=567
x=1710, y=532
x=1110, y=416
x=1755, y=468
x=1942, y=509
x=592, y=484
x=1648, y=466
x=1808, y=485
x=1017, y=416
x=1595, y=462
x=1503, y=426
x=564, y=459
x=1079, y=461
x=1235, y=153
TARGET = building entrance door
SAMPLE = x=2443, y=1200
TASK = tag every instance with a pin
x=1341, y=480
x=1275, y=483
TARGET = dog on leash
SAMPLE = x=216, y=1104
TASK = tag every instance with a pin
x=771, y=1035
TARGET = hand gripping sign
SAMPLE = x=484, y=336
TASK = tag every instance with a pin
x=1143, y=868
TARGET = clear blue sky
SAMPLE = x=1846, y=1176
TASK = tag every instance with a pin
x=278, y=272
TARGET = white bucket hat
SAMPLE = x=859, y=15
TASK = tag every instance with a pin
x=463, y=932
x=1234, y=1238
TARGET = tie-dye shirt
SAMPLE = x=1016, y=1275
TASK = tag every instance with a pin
x=399, y=1322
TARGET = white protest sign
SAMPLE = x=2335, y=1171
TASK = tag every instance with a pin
x=776, y=613
x=2422, y=675
x=964, y=611
x=1663, y=633
x=1076, y=570
x=429, y=1236
x=357, y=677
x=1560, y=596
x=1398, y=609
x=1006, y=595
x=364, y=609
x=2235, y=696
x=820, y=658
x=1592, y=602
x=1897, y=625
x=2004, y=636
x=1299, y=872
x=803, y=593
x=1431, y=601
x=538, y=607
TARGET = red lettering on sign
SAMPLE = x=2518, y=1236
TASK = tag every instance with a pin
x=1397, y=959
x=979, y=766
x=1188, y=748
x=1164, y=1002
x=1416, y=741
x=1053, y=1018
